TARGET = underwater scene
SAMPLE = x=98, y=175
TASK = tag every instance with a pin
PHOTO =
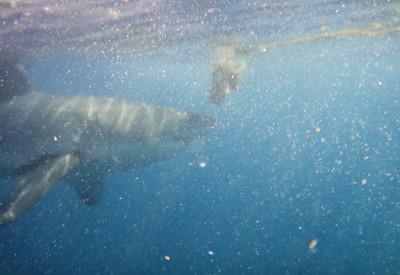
x=199, y=137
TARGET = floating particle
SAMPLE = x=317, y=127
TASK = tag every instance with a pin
x=113, y=14
x=55, y=138
x=376, y=25
x=202, y=164
x=13, y=3
x=167, y=258
x=211, y=253
x=323, y=28
x=312, y=245
x=317, y=129
x=364, y=181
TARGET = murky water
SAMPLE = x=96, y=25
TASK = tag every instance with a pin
x=300, y=176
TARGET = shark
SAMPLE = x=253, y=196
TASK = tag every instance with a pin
x=45, y=139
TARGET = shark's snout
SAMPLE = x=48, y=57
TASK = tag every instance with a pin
x=196, y=126
x=200, y=122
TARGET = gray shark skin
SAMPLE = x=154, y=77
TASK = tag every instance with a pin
x=44, y=139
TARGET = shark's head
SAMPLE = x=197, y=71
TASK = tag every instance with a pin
x=138, y=134
x=193, y=126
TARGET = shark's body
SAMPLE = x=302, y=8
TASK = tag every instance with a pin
x=44, y=139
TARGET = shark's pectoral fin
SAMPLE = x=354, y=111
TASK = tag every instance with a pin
x=88, y=181
x=33, y=183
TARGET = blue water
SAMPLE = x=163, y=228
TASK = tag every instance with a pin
x=307, y=149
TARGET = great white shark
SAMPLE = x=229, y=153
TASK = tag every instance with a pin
x=45, y=139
